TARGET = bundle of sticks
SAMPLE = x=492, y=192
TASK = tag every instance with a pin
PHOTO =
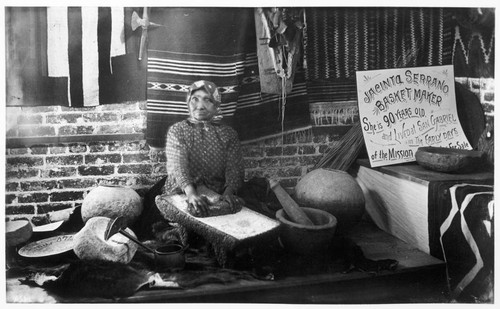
x=342, y=154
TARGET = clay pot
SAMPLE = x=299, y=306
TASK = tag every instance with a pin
x=334, y=191
x=307, y=239
x=112, y=202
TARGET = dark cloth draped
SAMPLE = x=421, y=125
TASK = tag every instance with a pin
x=216, y=44
x=261, y=114
x=27, y=83
x=458, y=233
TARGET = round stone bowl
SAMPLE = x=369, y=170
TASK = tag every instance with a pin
x=449, y=160
x=306, y=239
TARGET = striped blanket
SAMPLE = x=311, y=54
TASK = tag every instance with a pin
x=216, y=44
x=70, y=56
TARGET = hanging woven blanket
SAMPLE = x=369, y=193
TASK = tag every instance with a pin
x=341, y=41
x=474, y=42
x=216, y=44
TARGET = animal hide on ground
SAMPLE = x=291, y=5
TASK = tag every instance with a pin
x=91, y=279
x=112, y=280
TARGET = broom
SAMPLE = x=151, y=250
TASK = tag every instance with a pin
x=342, y=154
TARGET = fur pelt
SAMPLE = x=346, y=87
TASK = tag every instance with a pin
x=92, y=278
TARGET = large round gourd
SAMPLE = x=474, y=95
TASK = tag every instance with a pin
x=111, y=202
x=334, y=191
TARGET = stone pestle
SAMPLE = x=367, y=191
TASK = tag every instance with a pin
x=292, y=209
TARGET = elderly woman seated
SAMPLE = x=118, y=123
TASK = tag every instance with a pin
x=202, y=152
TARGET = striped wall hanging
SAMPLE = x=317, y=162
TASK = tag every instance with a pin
x=75, y=51
x=216, y=44
x=84, y=40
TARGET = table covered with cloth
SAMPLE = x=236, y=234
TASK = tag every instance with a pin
x=459, y=223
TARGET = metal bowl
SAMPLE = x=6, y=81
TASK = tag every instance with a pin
x=170, y=257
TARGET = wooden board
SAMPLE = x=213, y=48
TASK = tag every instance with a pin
x=418, y=174
x=396, y=205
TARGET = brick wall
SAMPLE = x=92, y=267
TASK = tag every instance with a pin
x=49, y=176
x=56, y=173
x=105, y=144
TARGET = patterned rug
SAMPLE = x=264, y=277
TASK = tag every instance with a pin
x=474, y=42
x=341, y=41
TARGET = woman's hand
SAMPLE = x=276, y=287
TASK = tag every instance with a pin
x=198, y=202
x=232, y=199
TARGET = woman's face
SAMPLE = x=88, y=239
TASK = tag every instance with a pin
x=201, y=106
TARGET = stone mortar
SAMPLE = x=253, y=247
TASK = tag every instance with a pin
x=305, y=239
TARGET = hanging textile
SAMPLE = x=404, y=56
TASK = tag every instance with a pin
x=341, y=41
x=68, y=58
x=261, y=115
x=90, y=32
x=474, y=42
x=216, y=44
x=26, y=60
x=279, y=46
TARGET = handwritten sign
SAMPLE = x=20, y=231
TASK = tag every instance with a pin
x=406, y=108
